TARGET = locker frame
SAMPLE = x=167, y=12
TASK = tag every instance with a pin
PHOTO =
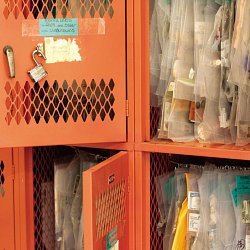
x=138, y=135
x=143, y=144
x=7, y=210
x=24, y=226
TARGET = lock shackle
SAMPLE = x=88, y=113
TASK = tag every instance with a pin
x=37, y=52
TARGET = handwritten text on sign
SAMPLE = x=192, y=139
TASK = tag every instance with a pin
x=58, y=27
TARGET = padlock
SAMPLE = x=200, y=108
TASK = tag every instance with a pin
x=38, y=72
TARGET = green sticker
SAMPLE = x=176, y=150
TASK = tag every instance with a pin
x=58, y=27
x=170, y=187
x=243, y=182
x=111, y=238
x=235, y=196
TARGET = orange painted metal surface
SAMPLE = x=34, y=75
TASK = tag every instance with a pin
x=142, y=101
x=77, y=102
x=142, y=201
x=106, y=203
x=130, y=71
x=21, y=199
x=7, y=215
x=196, y=149
x=115, y=146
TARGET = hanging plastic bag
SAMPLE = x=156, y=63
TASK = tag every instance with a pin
x=165, y=195
x=65, y=172
x=207, y=184
x=159, y=29
x=87, y=161
x=225, y=233
x=193, y=215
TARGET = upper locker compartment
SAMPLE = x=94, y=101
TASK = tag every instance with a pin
x=82, y=98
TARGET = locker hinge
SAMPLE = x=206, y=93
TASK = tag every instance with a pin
x=13, y=172
x=127, y=108
x=128, y=186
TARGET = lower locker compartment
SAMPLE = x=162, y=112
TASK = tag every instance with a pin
x=78, y=199
x=224, y=209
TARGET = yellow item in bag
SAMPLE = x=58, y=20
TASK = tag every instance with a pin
x=181, y=229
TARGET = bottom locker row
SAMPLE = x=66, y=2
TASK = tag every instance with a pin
x=64, y=198
x=199, y=203
x=69, y=198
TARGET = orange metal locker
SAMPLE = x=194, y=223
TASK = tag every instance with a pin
x=7, y=214
x=148, y=162
x=83, y=97
x=81, y=100
x=107, y=202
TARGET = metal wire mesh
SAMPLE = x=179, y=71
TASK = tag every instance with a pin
x=159, y=164
x=155, y=114
x=44, y=212
x=58, y=8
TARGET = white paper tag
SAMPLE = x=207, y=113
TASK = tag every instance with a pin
x=247, y=242
x=62, y=50
x=193, y=200
x=116, y=246
x=191, y=74
x=194, y=222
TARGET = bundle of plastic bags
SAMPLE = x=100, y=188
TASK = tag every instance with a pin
x=68, y=193
x=204, y=207
x=200, y=69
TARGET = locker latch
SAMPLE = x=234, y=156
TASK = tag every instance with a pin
x=8, y=51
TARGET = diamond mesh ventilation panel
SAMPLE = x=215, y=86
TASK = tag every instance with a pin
x=159, y=164
x=43, y=182
x=110, y=208
x=73, y=101
x=154, y=120
x=58, y=8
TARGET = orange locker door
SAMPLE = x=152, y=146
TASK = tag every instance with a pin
x=7, y=240
x=83, y=97
x=106, y=204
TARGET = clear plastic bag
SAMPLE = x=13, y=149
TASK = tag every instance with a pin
x=225, y=231
x=180, y=129
x=86, y=162
x=68, y=184
x=208, y=206
x=243, y=118
x=209, y=129
x=203, y=62
x=159, y=29
x=165, y=197
x=65, y=176
x=193, y=215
